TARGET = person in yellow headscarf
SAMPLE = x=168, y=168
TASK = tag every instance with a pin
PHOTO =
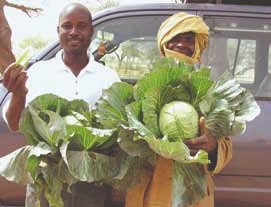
x=184, y=37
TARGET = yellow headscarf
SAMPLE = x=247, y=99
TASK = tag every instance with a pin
x=181, y=23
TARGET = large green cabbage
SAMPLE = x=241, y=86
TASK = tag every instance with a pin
x=146, y=128
x=178, y=120
x=66, y=145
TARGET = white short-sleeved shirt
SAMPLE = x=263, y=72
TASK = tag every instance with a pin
x=53, y=76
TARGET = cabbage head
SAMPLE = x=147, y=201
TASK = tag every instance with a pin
x=178, y=120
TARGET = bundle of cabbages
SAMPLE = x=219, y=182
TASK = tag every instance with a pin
x=163, y=109
x=66, y=145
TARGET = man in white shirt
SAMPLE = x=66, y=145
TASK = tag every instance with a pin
x=72, y=74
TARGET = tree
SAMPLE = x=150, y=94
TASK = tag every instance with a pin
x=36, y=43
x=6, y=55
x=131, y=51
x=120, y=56
x=104, y=4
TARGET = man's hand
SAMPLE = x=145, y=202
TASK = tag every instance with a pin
x=14, y=79
x=205, y=142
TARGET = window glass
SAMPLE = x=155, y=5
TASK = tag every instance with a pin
x=130, y=43
x=240, y=45
x=264, y=89
x=269, y=59
x=237, y=44
x=243, y=64
x=133, y=57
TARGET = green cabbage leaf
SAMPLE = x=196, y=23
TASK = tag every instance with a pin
x=136, y=112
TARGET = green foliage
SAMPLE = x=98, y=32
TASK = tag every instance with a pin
x=104, y=4
x=120, y=138
x=36, y=42
x=64, y=148
x=113, y=105
x=225, y=105
x=178, y=120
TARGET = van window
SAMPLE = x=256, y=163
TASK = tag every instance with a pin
x=264, y=89
x=240, y=45
x=133, y=47
x=132, y=59
x=269, y=60
x=243, y=64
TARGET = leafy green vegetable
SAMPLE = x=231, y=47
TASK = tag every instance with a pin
x=164, y=108
x=161, y=76
x=90, y=166
x=133, y=168
x=153, y=102
x=120, y=139
x=227, y=106
x=189, y=183
x=176, y=150
x=112, y=107
x=178, y=120
x=14, y=167
x=24, y=58
x=65, y=148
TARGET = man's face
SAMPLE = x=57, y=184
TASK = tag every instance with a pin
x=75, y=31
x=183, y=43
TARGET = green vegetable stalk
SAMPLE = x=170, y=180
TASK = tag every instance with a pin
x=24, y=58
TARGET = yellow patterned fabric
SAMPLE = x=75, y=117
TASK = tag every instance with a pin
x=181, y=23
x=224, y=154
x=156, y=192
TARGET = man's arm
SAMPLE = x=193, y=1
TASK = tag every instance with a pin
x=14, y=80
x=205, y=141
x=14, y=111
x=219, y=150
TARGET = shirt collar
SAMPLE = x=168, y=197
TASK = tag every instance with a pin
x=90, y=67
